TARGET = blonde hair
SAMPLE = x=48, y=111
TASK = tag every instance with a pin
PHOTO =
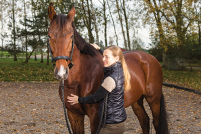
x=116, y=51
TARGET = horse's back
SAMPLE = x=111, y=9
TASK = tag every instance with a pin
x=146, y=75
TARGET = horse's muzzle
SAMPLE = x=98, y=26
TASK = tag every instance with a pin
x=62, y=74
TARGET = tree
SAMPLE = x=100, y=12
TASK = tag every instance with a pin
x=105, y=21
x=121, y=22
x=25, y=29
x=2, y=19
x=173, y=18
x=126, y=21
x=63, y=5
x=27, y=32
x=14, y=31
x=113, y=23
x=12, y=12
x=87, y=18
x=198, y=20
x=95, y=23
x=111, y=41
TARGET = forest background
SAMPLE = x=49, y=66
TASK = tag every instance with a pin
x=174, y=27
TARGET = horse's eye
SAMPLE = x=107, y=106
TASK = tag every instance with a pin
x=71, y=37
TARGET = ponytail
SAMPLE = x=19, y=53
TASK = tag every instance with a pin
x=127, y=75
x=117, y=52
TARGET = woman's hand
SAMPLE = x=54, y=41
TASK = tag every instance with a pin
x=73, y=99
x=95, y=46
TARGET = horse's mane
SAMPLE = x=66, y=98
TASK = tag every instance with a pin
x=81, y=44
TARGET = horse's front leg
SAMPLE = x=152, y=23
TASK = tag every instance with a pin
x=77, y=122
x=93, y=117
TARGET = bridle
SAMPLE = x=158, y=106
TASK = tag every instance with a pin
x=54, y=59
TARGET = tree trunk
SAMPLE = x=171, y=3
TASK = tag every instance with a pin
x=179, y=23
x=84, y=18
x=29, y=56
x=2, y=46
x=121, y=22
x=35, y=56
x=91, y=38
x=14, y=46
x=95, y=24
x=127, y=27
x=157, y=17
x=199, y=29
x=113, y=24
x=2, y=26
x=41, y=61
x=48, y=56
x=105, y=19
x=25, y=30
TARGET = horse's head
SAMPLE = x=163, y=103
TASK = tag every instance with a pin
x=60, y=35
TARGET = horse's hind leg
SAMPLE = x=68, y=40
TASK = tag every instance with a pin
x=157, y=106
x=77, y=122
x=141, y=114
x=155, y=109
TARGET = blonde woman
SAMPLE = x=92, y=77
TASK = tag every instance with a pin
x=115, y=82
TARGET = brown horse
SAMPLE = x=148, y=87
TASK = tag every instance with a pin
x=87, y=74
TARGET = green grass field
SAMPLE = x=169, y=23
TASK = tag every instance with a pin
x=6, y=53
x=184, y=78
x=16, y=71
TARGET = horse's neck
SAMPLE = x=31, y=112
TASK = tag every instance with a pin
x=86, y=68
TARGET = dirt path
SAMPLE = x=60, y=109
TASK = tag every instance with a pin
x=27, y=108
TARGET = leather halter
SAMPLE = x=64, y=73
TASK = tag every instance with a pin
x=54, y=59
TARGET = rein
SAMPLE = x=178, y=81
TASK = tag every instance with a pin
x=103, y=117
x=64, y=106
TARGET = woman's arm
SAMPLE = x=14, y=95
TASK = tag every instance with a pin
x=106, y=87
x=94, y=98
x=98, y=48
x=101, y=51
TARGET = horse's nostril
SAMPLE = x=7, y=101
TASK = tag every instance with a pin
x=55, y=71
x=66, y=70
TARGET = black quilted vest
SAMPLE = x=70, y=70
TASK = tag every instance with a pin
x=115, y=105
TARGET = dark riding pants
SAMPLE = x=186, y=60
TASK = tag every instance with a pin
x=119, y=128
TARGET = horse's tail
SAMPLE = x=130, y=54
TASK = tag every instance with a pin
x=163, y=124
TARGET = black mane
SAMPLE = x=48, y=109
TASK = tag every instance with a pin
x=81, y=44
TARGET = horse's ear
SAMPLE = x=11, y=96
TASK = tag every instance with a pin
x=51, y=12
x=71, y=14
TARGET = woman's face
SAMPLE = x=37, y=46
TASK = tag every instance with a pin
x=108, y=58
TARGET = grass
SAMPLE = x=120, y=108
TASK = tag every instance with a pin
x=195, y=64
x=5, y=53
x=184, y=78
x=16, y=71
